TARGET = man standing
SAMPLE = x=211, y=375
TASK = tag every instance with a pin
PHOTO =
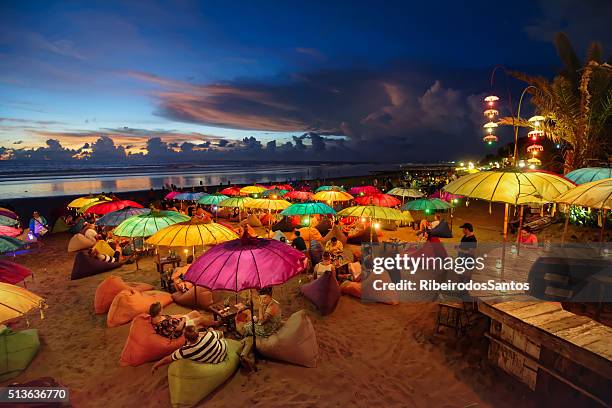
x=467, y=247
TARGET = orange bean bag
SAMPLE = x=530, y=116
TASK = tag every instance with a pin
x=110, y=287
x=130, y=303
x=253, y=221
x=351, y=288
x=188, y=299
x=310, y=233
x=144, y=345
x=335, y=231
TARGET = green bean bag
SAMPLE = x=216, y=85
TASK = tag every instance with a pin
x=17, y=350
x=60, y=226
x=189, y=381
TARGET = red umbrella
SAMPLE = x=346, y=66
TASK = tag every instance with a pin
x=10, y=231
x=13, y=273
x=171, y=195
x=110, y=206
x=382, y=200
x=231, y=191
x=281, y=187
x=299, y=195
x=364, y=190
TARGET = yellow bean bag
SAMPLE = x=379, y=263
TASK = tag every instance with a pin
x=128, y=304
x=295, y=342
x=103, y=248
x=189, y=381
x=253, y=221
x=79, y=242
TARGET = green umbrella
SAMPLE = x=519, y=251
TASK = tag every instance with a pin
x=213, y=199
x=236, y=202
x=8, y=221
x=274, y=192
x=328, y=188
x=308, y=208
x=9, y=244
x=426, y=204
x=146, y=225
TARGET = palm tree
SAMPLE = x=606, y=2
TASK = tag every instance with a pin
x=577, y=105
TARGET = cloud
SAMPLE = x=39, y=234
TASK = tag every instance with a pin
x=311, y=52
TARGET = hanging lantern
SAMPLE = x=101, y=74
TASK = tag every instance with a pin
x=534, y=134
x=535, y=148
x=534, y=161
x=491, y=113
x=491, y=99
x=489, y=126
x=490, y=139
x=537, y=120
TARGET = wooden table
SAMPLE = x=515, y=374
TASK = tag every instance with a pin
x=161, y=263
x=225, y=316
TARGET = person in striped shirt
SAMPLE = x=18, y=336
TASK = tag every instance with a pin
x=207, y=347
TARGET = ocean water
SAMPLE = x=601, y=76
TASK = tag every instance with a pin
x=21, y=181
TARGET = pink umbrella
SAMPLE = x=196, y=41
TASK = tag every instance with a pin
x=8, y=213
x=444, y=195
x=280, y=187
x=110, y=206
x=10, y=231
x=299, y=195
x=382, y=200
x=171, y=195
x=13, y=273
x=231, y=191
x=364, y=190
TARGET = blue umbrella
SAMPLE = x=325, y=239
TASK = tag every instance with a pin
x=426, y=204
x=329, y=188
x=308, y=208
x=112, y=219
x=189, y=196
x=9, y=244
x=589, y=174
x=213, y=199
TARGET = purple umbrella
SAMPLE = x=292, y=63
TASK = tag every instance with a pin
x=13, y=273
x=8, y=213
x=444, y=195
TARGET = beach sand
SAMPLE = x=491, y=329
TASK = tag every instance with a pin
x=369, y=353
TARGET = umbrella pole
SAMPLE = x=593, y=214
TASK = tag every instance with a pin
x=518, y=236
x=567, y=217
x=253, y=328
x=603, y=225
x=506, y=209
x=135, y=254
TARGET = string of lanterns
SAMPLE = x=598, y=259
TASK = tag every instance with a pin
x=490, y=113
x=535, y=148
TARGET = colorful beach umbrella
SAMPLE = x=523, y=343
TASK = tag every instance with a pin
x=10, y=231
x=146, y=225
x=274, y=193
x=246, y=263
x=190, y=196
x=405, y=192
x=374, y=212
x=381, y=200
x=511, y=187
x=213, y=199
x=299, y=195
x=110, y=206
x=235, y=202
x=310, y=208
x=595, y=194
x=8, y=213
x=248, y=190
x=426, y=204
x=281, y=187
x=329, y=188
x=189, y=234
x=8, y=221
x=445, y=195
x=10, y=244
x=13, y=273
x=230, y=191
x=364, y=190
x=82, y=201
x=588, y=174
x=332, y=196
x=171, y=195
x=267, y=204
x=112, y=219
x=16, y=301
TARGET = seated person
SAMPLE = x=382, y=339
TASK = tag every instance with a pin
x=298, y=242
x=527, y=236
x=94, y=253
x=180, y=284
x=207, y=347
x=325, y=265
x=268, y=317
x=172, y=327
x=435, y=222
x=89, y=230
x=334, y=247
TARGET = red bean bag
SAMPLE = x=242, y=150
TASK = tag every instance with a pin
x=130, y=303
x=110, y=287
x=188, y=299
x=268, y=219
x=323, y=292
x=144, y=345
x=84, y=266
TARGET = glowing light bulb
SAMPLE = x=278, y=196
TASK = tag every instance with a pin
x=363, y=219
x=376, y=225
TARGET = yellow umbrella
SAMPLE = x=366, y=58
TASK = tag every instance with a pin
x=375, y=212
x=248, y=190
x=332, y=196
x=188, y=234
x=236, y=202
x=16, y=301
x=267, y=204
x=82, y=201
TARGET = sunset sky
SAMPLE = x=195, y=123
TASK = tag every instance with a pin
x=393, y=79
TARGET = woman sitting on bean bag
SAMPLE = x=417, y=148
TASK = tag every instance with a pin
x=172, y=327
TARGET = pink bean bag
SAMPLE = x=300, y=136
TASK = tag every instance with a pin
x=110, y=287
x=130, y=303
x=144, y=345
x=323, y=292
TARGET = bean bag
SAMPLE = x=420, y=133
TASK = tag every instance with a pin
x=188, y=299
x=278, y=235
x=335, y=231
x=224, y=212
x=442, y=230
x=363, y=235
x=323, y=292
x=309, y=234
x=324, y=226
x=369, y=294
x=253, y=221
x=128, y=304
x=228, y=225
x=78, y=226
x=177, y=281
x=268, y=219
x=60, y=226
x=388, y=225
x=144, y=345
x=85, y=265
x=189, y=381
x=110, y=287
x=295, y=342
x=284, y=225
x=78, y=242
x=17, y=349
x=13, y=273
x=351, y=288
x=104, y=248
